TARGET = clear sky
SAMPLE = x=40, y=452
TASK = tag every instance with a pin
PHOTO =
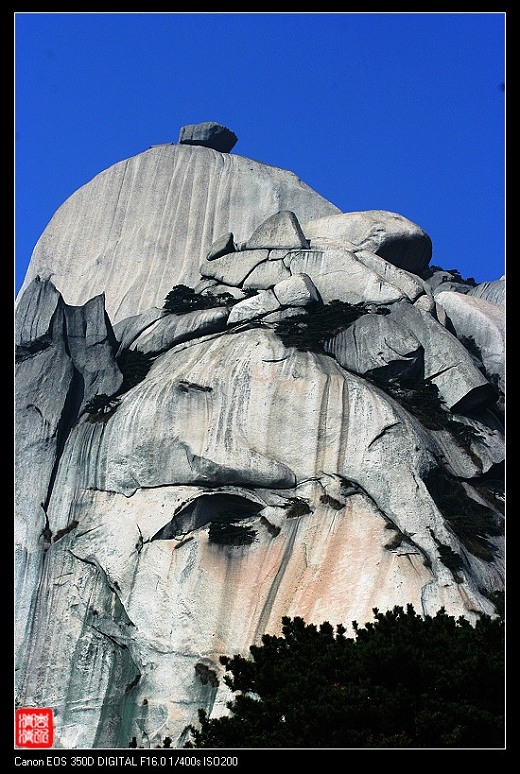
x=396, y=111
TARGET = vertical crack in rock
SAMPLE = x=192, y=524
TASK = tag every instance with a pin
x=273, y=591
x=71, y=405
x=383, y=432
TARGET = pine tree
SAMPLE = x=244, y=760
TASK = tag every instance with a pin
x=403, y=681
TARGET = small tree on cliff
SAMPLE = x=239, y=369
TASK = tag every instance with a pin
x=404, y=681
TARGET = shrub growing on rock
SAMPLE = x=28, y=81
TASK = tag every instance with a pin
x=309, y=332
x=224, y=530
x=101, y=405
x=134, y=365
x=182, y=299
x=472, y=522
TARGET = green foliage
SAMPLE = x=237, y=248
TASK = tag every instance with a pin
x=101, y=405
x=419, y=397
x=494, y=379
x=167, y=743
x=206, y=675
x=499, y=600
x=404, y=681
x=465, y=434
x=309, y=332
x=491, y=486
x=429, y=271
x=65, y=530
x=458, y=278
x=297, y=506
x=182, y=299
x=224, y=530
x=331, y=501
x=422, y=399
x=134, y=365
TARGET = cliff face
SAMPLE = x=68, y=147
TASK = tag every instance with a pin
x=266, y=460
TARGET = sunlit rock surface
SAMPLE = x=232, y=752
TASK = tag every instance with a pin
x=388, y=234
x=482, y=321
x=490, y=291
x=346, y=484
x=147, y=222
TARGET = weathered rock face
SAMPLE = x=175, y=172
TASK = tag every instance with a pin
x=65, y=356
x=490, y=291
x=161, y=212
x=482, y=321
x=341, y=458
x=388, y=234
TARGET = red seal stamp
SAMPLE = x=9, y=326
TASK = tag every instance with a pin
x=34, y=727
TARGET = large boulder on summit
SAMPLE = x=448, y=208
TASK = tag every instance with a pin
x=388, y=234
x=210, y=135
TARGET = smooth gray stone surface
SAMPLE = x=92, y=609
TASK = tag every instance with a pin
x=147, y=223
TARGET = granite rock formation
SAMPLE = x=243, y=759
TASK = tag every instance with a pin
x=305, y=386
x=210, y=135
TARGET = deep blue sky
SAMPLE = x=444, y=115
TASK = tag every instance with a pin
x=396, y=111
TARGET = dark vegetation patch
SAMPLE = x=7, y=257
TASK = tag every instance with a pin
x=456, y=276
x=309, y=333
x=452, y=560
x=331, y=501
x=206, y=675
x=403, y=681
x=182, y=299
x=226, y=530
x=422, y=399
x=101, y=407
x=472, y=522
x=296, y=507
x=134, y=366
x=61, y=532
